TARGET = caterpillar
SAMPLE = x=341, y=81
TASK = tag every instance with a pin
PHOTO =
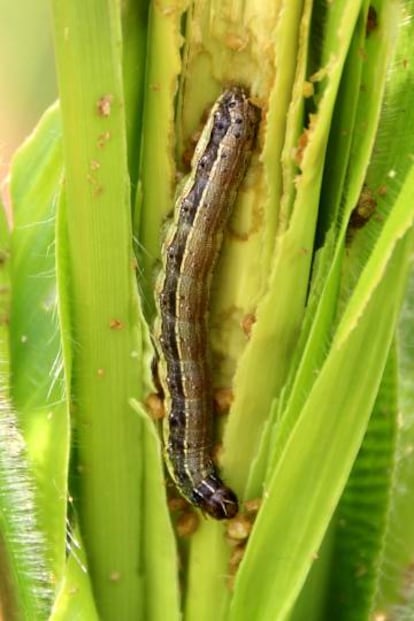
x=189, y=255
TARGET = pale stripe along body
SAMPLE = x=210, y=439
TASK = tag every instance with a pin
x=189, y=255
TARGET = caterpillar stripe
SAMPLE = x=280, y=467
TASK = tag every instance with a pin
x=189, y=255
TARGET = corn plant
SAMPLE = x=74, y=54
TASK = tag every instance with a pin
x=308, y=341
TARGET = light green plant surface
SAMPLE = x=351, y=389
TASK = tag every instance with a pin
x=395, y=587
x=24, y=572
x=319, y=375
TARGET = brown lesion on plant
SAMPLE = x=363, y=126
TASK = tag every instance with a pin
x=303, y=140
x=4, y=257
x=134, y=264
x=98, y=190
x=223, y=398
x=177, y=503
x=237, y=534
x=104, y=105
x=103, y=139
x=239, y=528
x=247, y=324
x=186, y=520
x=301, y=146
x=5, y=290
x=187, y=523
x=372, y=21
x=116, y=324
x=365, y=208
x=97, y=187
x=154, y=405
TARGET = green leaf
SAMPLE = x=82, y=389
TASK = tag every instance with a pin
x=311, y=381
x=37, y=387
x=362, y=516
x=278, y=318
x=24, y=566
x=317, y=458
x=74, y=599
x=26, y=587
x=134, y=16
x=395, y=595
x=102, y=316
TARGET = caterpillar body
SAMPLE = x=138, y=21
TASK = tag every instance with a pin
x=189, y=256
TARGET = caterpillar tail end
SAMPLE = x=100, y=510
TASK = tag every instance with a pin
x=215, y=499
